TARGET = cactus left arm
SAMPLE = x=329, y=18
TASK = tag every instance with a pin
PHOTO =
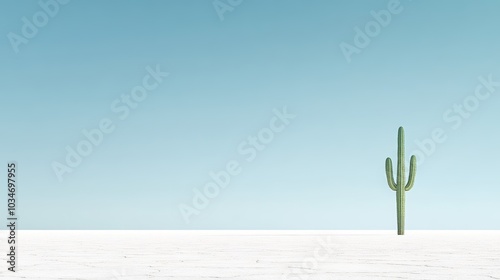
x=388, y=173
x=413, y=170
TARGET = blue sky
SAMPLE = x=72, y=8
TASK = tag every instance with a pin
x=228, y=76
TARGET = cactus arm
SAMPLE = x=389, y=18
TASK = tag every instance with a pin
x=389, y=174
x=413, y=170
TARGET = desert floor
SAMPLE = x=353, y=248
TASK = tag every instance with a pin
x=254, y=255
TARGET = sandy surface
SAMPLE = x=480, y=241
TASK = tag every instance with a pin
x=254, y=255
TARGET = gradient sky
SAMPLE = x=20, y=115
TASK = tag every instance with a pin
x=324, y=171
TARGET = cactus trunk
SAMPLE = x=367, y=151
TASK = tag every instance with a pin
x=400, y=186
x=400, y=205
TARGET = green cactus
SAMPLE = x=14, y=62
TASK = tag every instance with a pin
x=399, y=186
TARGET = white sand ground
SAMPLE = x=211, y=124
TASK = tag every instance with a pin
x=261, y=255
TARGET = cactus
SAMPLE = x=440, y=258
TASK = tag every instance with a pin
x=399, y=186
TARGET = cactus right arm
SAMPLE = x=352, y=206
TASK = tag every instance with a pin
x=390, y=176
x=413, y=170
